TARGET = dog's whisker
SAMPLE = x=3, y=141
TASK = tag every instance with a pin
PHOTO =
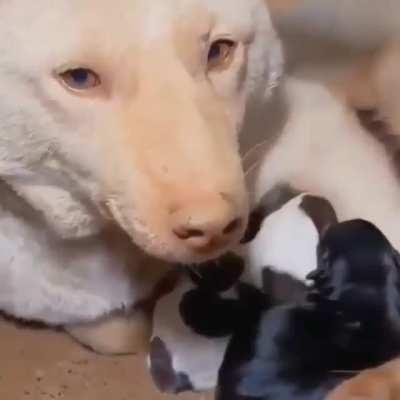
x=252, y=167
x=254, y=148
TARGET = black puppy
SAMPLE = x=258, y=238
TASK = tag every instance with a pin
x=351, y=321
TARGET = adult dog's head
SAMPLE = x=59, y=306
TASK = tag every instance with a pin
x=131, y=109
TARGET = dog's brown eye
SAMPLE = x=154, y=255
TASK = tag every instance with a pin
x=221, y=53
x=80, y=79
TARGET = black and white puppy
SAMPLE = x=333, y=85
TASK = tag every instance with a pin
x=351, y=321
x=279, y=250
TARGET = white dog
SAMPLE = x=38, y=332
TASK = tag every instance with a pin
x=126, y=111
x=119, y=126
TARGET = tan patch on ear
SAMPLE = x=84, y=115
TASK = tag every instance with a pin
x=279, y=7
x=372, y=82
x=356, y=86
x=387, y=81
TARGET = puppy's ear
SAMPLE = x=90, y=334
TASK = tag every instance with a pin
x=320, y=211
x=208, y=314
x=270, y=202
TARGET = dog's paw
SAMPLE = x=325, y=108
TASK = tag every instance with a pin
x=116, y=334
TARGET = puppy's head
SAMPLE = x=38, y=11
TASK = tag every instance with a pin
x=137, y=106
x=358, y=269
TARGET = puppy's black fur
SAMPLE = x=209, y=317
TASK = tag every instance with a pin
x=351, y=321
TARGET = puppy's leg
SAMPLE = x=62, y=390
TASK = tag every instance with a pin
x=381, y=383
x=208, y=314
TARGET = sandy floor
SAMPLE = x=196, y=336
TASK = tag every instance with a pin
x=46, y=365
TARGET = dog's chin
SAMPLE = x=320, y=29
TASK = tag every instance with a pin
x=167, y=248
x=160, y=243
x=170, y=250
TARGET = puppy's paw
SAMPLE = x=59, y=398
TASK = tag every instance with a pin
x=321, y=288
x=116, y=334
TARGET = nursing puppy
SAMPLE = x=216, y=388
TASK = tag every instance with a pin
x=350, y=322
x=179, y=359
x=278, y=252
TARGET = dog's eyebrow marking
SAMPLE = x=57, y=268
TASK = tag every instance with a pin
x=320, y=211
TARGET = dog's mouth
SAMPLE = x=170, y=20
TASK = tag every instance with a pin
x=164, y=244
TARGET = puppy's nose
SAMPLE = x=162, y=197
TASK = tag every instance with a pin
x=206, y=224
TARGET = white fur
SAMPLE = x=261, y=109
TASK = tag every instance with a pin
x=286, y=243
x=197, y=356
x=323, y=150
x=57, y=281
x=51, y=158
x=58, y=170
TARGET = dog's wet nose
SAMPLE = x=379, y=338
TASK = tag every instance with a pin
x=206, y=224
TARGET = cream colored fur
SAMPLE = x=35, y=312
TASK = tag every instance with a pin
x=160, y=135
x=373, y=83
x=157, y=135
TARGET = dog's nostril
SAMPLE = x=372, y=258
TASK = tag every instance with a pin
x=185, y=233
x=232, y=226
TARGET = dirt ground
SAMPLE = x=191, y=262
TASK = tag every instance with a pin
x=47, y=365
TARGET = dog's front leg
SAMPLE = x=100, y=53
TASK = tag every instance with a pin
x=119, y=333
x=127, y=332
